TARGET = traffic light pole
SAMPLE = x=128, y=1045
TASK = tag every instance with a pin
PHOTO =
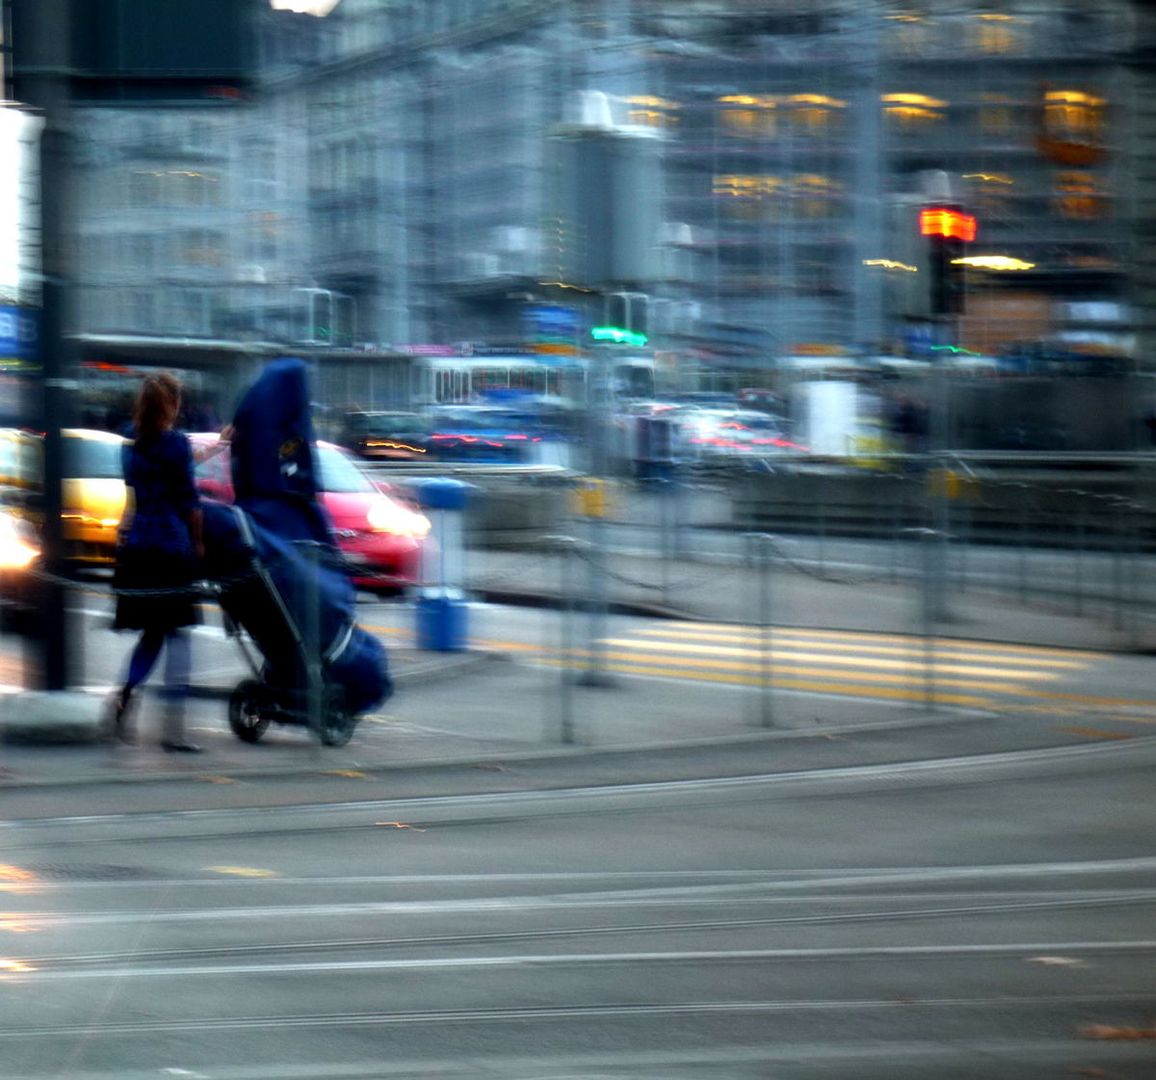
x=43, y=69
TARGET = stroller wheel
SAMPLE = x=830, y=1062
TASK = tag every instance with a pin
x=245, y=711
x=337, y=722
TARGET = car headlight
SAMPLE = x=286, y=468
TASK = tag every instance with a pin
x=386, y=516
x=18, y=545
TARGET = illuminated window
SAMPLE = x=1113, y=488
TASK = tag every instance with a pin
x=913, y=112
x=750, y=116
x=994, y=34
x=649, y=111
x=815, y=114
x=749, y=197
x=814, y=195
x=1074, y=115
x=1078, y=196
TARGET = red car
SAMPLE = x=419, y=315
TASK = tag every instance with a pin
x=377, y=533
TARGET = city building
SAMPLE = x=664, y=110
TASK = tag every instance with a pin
x=395, y=184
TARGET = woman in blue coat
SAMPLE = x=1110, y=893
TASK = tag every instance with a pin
x=158, y=559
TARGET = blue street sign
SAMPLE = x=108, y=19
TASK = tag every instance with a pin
x=19, y=332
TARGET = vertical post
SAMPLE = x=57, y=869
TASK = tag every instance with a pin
x=1081, y=543
x=1023, y=554
x=44, y=65
x=566, y=682
x=1118, y=518
x=930, y=609
x=766, y=672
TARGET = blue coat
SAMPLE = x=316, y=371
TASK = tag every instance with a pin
x=274, y=470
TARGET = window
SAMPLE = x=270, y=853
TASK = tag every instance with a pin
x=814, y=195
x=646, y=111
x=1073, y=115
x=911, y=112
x=815, y=114
x=749, y=116
x=994, y=34
x=1078, y=196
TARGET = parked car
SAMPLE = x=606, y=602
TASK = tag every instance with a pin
x=385, y=436
x=93, y=497
x=379, y=535
x=92, y=494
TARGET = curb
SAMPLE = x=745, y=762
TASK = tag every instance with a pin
x=484, y=759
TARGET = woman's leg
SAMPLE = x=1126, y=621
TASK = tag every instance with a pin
x=141, y=663
x=177, y=667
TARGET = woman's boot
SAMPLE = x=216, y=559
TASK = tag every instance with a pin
x=173, y=738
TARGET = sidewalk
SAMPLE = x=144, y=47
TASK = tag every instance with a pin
x=486, y=708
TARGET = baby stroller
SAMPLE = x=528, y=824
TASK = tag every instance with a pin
x=280, y=578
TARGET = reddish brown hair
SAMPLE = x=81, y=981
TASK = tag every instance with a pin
x=157, y=404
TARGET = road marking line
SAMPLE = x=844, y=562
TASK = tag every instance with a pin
x=242, y=871
x=848, y=689
x=1009, y=951
x=783, y=639
x=795, y=669
x=865, y=662
x=869, y=636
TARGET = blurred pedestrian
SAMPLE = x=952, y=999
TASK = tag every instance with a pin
x=909, y=426
x=158, y=560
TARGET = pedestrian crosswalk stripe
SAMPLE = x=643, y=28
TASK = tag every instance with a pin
x=785, y=639
x=870, y=637
x=690, y=668
x=776, y=653
x=842, y=689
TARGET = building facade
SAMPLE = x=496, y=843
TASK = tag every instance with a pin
x=393, y=183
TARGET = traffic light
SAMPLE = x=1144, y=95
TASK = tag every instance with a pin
x=948, y=229
x=948, y=285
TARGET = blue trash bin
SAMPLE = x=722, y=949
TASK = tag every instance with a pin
x=442, y=610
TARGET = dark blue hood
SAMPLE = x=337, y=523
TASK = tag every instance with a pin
x=273, y=464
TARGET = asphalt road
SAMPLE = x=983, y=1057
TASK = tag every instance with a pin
x=988, y=918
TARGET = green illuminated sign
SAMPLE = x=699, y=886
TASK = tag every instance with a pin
x=955, y=349
x=619, y=336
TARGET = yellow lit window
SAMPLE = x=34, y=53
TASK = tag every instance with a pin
x=913, y=112
x=995, y=34
x=1073, y=114
x=1078, y=196
x=815, y=114
x=653, y=112
x=749, y=196
x=750, y=116
x=813, y=194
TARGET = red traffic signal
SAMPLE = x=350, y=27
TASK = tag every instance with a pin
x=948, y=223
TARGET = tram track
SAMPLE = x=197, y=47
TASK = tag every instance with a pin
x=559, y=802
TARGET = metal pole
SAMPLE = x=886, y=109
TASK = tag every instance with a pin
x=43, y=69
x=766, y=703
x=1023, y=555
x=930, y=608
x=566, y=685
x=1081, y=542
